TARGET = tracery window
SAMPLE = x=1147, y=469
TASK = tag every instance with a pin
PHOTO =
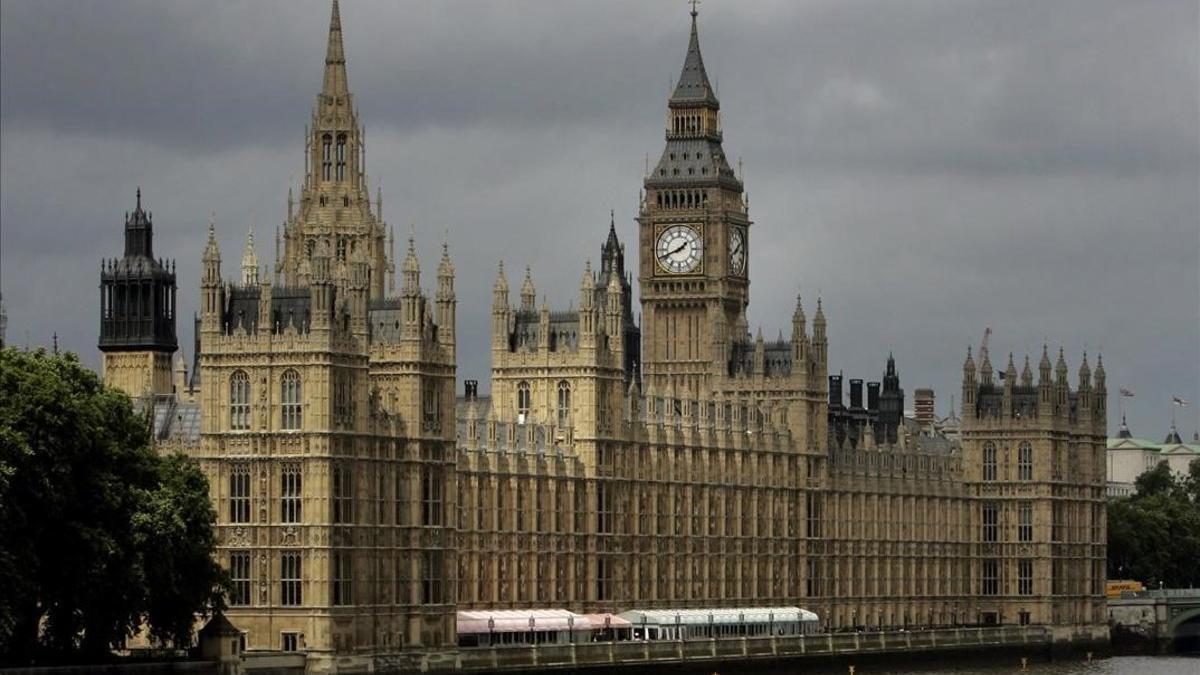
x=290, y=398
x=431, y=405
x=1025, y=576
x=431, y=495
x=343, y=494
x=991, y=577
x=991, y=521
x=239, y=574
x=564, y=402
x=289, y=579
x=431, y=578
x=1025, y=521
x=1025, y=461
x=522, y=402
x=341, y=157
x=239, y=495
x=326, y=156
x=343, y=578
x=239, y=401
x=290, y=510
x=989, y=461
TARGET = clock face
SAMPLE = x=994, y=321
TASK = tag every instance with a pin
x=679, y=249
x=737, y=250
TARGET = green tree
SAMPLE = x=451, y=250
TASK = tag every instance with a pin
x=98, y=534
x=1155, y=481
x=1154, y=536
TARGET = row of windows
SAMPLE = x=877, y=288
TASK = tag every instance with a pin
x=990, y=519
x=327, y=157
x=564, y=402
x=1024, y=462
x=290, y=394
x=291, y=499
x=342, y=589
x=990, y=579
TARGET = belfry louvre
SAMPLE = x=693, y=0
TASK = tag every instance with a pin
x=679, y=463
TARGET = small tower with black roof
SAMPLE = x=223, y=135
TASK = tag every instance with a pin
x=137, y=312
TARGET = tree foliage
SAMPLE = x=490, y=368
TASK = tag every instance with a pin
x=98, y=534
x=1154, y=535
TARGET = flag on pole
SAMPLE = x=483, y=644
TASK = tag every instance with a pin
x=1179, y=402
x=1126, y=393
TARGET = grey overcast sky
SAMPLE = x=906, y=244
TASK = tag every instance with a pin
x=928, y=167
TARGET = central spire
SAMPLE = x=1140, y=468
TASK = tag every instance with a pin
x=335, y=58
x=693, y=86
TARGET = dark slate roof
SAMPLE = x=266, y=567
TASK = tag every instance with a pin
x=693, y=86
x=777, y=357
x=703, y=157
x=289, y=305
x=219, y=626
x=564, y=330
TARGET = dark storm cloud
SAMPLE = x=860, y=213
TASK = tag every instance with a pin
x=929, y=167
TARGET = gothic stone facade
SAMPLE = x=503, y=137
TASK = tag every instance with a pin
x=680, y=463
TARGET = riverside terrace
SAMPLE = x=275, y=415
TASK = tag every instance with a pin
x=1031, y=642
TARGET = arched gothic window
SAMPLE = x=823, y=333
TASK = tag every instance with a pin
x=989, y=461
x=1025, y=461
x=341, y=157
x=239, y=401
x=523, y=400
x=326, y=156
x=290, y=398
x=564, y=402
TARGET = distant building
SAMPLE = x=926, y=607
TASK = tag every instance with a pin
x=1130, y=457
x=923, y=409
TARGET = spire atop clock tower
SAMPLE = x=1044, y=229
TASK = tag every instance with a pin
x=694, y=237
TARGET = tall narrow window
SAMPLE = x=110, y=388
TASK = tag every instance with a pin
x=290, y=398
x=990, y=522
x=991, y=577
x=326, y=156
x=1025, y=521
x=1025, y=461
x=399, y=497
x=289, y=511
x=343, y=578
x=564, y=403
x=522, y=402
x=341, y=157
x=989, y=461
x=343, y=495
x=239, y=401
x=431, y=403
x=239, y=575
x=431, y=495
x=289, y=579
x=431, y=578
x=1025, y=576
x=239, y=495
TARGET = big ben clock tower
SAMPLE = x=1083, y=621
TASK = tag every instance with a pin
x=694, y=238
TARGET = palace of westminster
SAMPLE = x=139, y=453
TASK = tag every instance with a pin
x=362, y=500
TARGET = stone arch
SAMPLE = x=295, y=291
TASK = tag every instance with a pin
x=1184, y=631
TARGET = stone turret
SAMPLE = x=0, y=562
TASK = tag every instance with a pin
x=528, y=293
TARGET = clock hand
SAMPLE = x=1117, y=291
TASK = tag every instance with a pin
x=681, y=247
